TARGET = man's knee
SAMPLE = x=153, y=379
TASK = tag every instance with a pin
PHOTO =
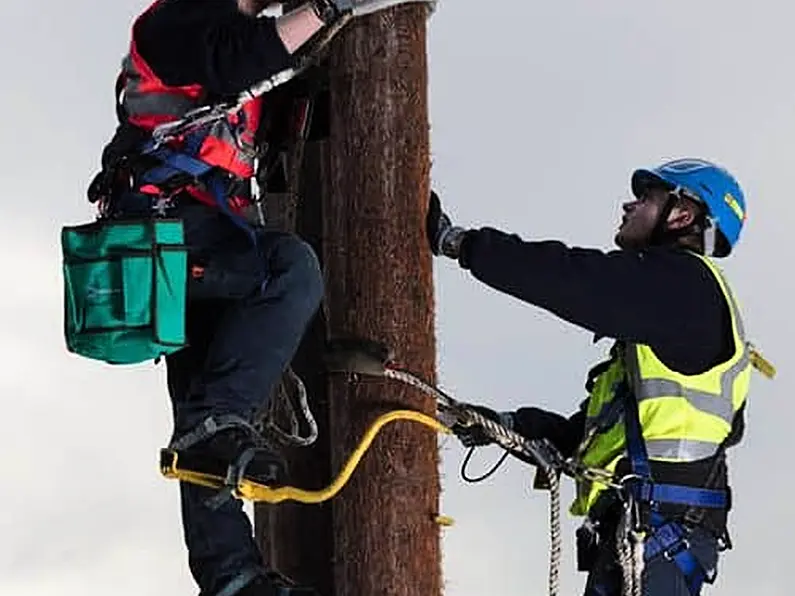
x=302, y=269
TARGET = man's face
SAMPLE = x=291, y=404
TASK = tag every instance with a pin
x=640, y=218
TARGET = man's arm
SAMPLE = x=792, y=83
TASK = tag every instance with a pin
x=662, y=297
x=211, y=43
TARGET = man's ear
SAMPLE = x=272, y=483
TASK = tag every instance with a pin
x=681, y=216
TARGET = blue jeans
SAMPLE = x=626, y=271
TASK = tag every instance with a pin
x=245, y=320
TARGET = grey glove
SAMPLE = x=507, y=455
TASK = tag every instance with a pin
x=329, y=11
x=444, y=238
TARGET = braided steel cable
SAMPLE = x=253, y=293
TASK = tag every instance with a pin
x=538, y=451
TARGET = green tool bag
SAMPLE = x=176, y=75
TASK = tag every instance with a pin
x=125, y=285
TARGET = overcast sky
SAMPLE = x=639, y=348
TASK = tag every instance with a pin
x=539, y=113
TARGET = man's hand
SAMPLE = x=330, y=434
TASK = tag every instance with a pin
x=443, y=237
x=475, y=435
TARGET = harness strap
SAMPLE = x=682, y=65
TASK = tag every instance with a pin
x=185, y=162
x=646, y=491
x=240, y=581
x=667, y=536
x=636, y=446
x=211, y=426
x=669, y=539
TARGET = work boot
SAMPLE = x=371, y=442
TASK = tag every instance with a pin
x=273, y=583
x=236, y=446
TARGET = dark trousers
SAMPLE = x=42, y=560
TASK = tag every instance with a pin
x=661, y=576
x=245, y=320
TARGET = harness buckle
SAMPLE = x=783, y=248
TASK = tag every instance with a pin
x=670, y=553
x=162, y=204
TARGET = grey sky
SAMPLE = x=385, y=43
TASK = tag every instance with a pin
x=539, y=113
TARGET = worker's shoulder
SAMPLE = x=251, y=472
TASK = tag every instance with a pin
x=154, y=20
x=673, y=257
x=167, y=15
x=691, y=273
x=669, y=270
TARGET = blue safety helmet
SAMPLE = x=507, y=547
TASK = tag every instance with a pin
x=707, y=183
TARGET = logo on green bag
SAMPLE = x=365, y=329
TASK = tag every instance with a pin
x=97, y=295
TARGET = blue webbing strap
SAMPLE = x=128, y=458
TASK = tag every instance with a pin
x=176, y=162
x=668, y=537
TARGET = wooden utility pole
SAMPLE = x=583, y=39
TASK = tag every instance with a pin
x=380, y=286
x=379, y=536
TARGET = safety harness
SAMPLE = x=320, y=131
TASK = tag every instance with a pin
x=160, y=170
x=175, y=163
x=665, y=537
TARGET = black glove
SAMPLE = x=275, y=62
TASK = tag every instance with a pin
x=443, y=237
x=475, y=435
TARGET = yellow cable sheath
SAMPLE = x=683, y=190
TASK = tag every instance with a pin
x=258, y=492
x=261, y=493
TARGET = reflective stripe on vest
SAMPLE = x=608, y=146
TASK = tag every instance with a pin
x=711, y=393
x=683, y=417
x=149, y=102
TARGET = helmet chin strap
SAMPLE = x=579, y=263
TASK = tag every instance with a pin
x=710, y=236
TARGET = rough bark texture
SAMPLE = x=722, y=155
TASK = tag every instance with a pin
x=379, y=535
x=380, y=285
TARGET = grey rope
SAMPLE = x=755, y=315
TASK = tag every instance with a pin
x=293, y=436
x=555, y=534
x=629, y=551
x=539, y=451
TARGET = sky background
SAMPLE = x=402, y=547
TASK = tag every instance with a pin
x=539, y=114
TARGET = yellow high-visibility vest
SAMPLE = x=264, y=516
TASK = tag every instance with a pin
x=683, y=418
